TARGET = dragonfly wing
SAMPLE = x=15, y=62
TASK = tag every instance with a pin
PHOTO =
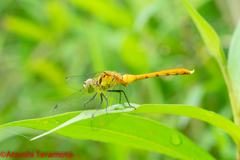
x=76, y=82
x=120, y=94
x=114, y=110
x=75, y=102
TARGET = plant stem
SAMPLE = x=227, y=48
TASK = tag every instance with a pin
x=233, y=101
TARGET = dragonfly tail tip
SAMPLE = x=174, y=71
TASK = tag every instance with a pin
x=191, y=72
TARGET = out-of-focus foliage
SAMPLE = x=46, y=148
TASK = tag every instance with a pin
x=42, y=42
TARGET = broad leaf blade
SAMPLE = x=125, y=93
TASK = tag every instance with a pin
x=126, y=130
x=209, y=36
x=194, y=112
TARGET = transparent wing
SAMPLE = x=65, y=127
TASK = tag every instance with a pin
x=75, y=102
x=119, y=94
x=113, y=98
x=82, y=100
x=76, y=82
x=122, y=94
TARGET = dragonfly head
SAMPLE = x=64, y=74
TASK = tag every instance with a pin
x=89, y=85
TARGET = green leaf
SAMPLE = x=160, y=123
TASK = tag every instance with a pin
x=213, y=44
x=208, y=34
x=197, y=113
x=233, y=63
x=137, y=131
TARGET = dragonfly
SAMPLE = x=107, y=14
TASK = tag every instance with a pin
x=104, y=84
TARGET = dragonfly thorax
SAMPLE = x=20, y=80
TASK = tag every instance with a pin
x=103, y=82
x=89, y=85
x=107, y=80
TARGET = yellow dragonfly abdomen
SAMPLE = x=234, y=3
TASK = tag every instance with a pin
x=128, y=78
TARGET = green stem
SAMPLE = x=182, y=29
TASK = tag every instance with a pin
x=232, y=97
x=233, y=101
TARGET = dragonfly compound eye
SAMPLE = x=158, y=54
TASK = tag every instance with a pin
x=89, y=85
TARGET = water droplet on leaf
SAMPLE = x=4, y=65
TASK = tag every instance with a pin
x=176, y=140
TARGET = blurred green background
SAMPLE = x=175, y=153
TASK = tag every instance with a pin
x=42, y=42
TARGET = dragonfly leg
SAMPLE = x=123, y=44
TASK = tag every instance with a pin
x=90, y=99
x=106, y=100
x=98, y=105
x=120, y=98
x=119, y=91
